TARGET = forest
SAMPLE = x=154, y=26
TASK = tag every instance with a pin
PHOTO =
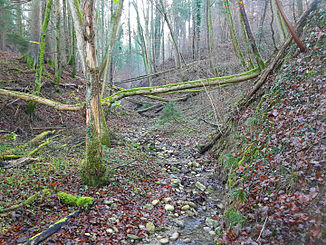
x=162, y=122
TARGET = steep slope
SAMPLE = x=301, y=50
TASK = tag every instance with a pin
x=274, y=159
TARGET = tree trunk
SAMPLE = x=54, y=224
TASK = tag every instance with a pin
x=294, y=35
x=33, y=49
x=251, y=38
x=78, y=26
x=38, y=79
x=58, y=65
x=233, y=34
x=115, y=20
x=92, y=170
x=177, y=52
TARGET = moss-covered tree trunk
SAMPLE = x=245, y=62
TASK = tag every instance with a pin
x=38, y=79
x=58, y=66
x=251, y=38
x=234, y=36
x=92, y=170
x=115, y=20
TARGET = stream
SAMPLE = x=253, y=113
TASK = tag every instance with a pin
x=196, y=187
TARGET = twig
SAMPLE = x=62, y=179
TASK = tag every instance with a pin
x=261, y=232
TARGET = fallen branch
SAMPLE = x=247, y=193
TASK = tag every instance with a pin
x=51, y=230
x=216, y=81
x=19, y=162
x=24, y=203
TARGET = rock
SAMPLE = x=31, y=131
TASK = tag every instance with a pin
x=196, y=165
x=109, y=230
x=169, y=207
x=174, y=236
x=210, y=222
x=150, y=227
x=191, y=204
x=132, y=236
x=200, y=186
x=180, y=223
x=155, y=202
x=187, y=240
x=167, y=199
x=175, y=182
x=108, y=202
x=185, y=207
x=212, y=233
x=207, y=229
x=164, y=241
x=220, y=206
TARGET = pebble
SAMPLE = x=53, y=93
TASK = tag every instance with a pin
x=187, y=240
x=164, y=241
x=167, y=199
x=155, y=202
x=207, y=229
x=180, y=223
x=150, y=227
x=220, y=206
x=185, y=207
x=212, y=233
x=109, y=230
x=191, y=204
x=200, y=186
x=174, y=236
x=169, y=207
x=132, y=236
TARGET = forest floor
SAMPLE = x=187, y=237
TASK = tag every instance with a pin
x=266, y=186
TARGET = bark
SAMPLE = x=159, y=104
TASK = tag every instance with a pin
x=277, y=18
x=92, y=170
x=251, y=38
x=233, y=33
x=35, y=31
x=38, y=79
x=78, y=25
x=208, y=82
x=178, y=54
x=115, y=20
x=294, y=35
x=58, y=65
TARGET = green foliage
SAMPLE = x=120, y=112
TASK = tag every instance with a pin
x=170, y=114
x=234, y=218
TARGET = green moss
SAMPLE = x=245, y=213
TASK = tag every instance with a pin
x=67, y=198
x=80, y=202
x=84, y=202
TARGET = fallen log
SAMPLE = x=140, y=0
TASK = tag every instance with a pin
x=19, y=162
x=52, y=229
x=24, y=203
